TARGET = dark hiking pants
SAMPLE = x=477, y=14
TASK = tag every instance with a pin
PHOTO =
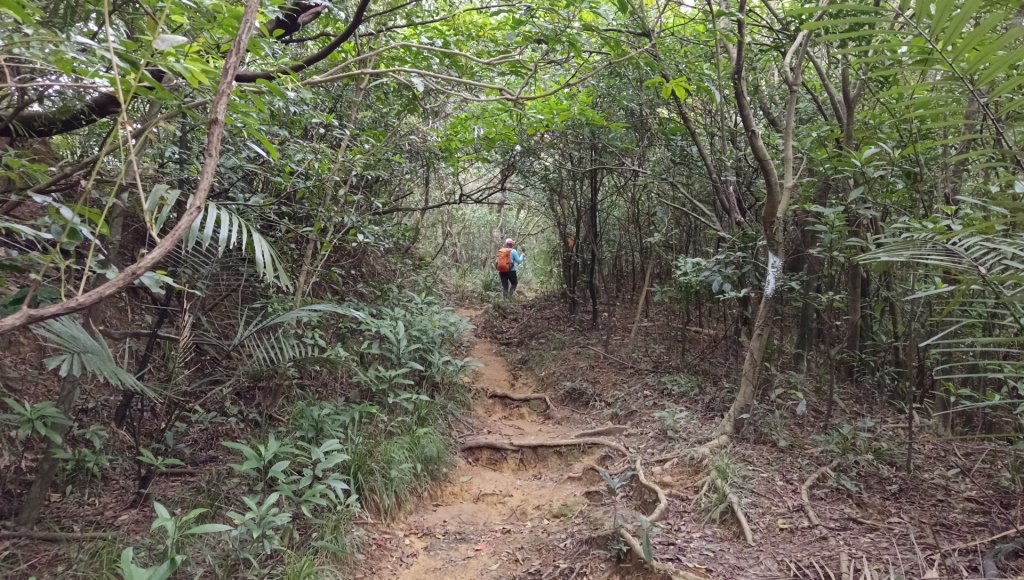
x=509, y=281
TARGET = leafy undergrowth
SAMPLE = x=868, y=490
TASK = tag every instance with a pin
x=934, y=520
x=260, y=488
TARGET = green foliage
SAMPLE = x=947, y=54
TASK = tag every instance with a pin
x=130, y=571
x=352, y=193
x=1013, y=469
x=386, y=473
x=156, y=462
x=672, y=419
x=174, y=529
x=678, y=385
x=724, y=476
x=260, y=530
x=856, y=447
x=82, y=467
x=39, y=418
x=614, y=484
x=725, y=275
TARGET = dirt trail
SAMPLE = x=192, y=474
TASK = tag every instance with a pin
x=505, y=514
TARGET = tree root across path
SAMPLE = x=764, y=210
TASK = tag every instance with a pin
x=509, y=444
x=599, y=431
x=521, y=397
x=805, y=492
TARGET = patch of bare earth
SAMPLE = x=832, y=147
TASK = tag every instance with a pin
x=529, y=510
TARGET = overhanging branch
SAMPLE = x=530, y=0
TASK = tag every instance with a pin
x=40, y=124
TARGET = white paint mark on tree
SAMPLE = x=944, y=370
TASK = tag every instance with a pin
x=774, y=272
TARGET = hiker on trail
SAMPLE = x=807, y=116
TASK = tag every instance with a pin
x=506, y=263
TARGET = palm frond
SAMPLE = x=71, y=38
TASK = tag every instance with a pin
x=80, y=352
x=222, y=228
x=957, y=50
x=269, y=340
x=218, y=229
x=977, y=283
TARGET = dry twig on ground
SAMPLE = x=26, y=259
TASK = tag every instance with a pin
x=55, y=536
x=734, y=502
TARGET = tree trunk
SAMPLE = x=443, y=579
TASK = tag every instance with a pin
x=641, y=302
x=854, y=276
x=592, y=227
x=732, y=422
x=776, y=202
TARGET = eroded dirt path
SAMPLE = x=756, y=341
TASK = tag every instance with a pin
x=507, y=514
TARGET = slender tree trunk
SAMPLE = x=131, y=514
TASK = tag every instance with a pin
x=305, y=280
x=592, y=227
x=854, y=277
x=642, y=302
x=752, y=361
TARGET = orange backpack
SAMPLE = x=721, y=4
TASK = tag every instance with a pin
x=504, y=261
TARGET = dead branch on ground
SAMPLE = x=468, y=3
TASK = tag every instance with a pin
x=740, y=517
x=998, y=536
x=55, y=536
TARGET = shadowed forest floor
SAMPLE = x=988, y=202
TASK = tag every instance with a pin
x=541, y=513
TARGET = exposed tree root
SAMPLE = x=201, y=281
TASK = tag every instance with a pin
x=659, y=511
x=805, y=493
x=694, y=454
x=54, y=536
x=613, y=471
x=657, y=514
x=702, y=452
x=742, y=519
x=521, y=397
x=734, y=502
x=601, y=431
x=518, y=444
